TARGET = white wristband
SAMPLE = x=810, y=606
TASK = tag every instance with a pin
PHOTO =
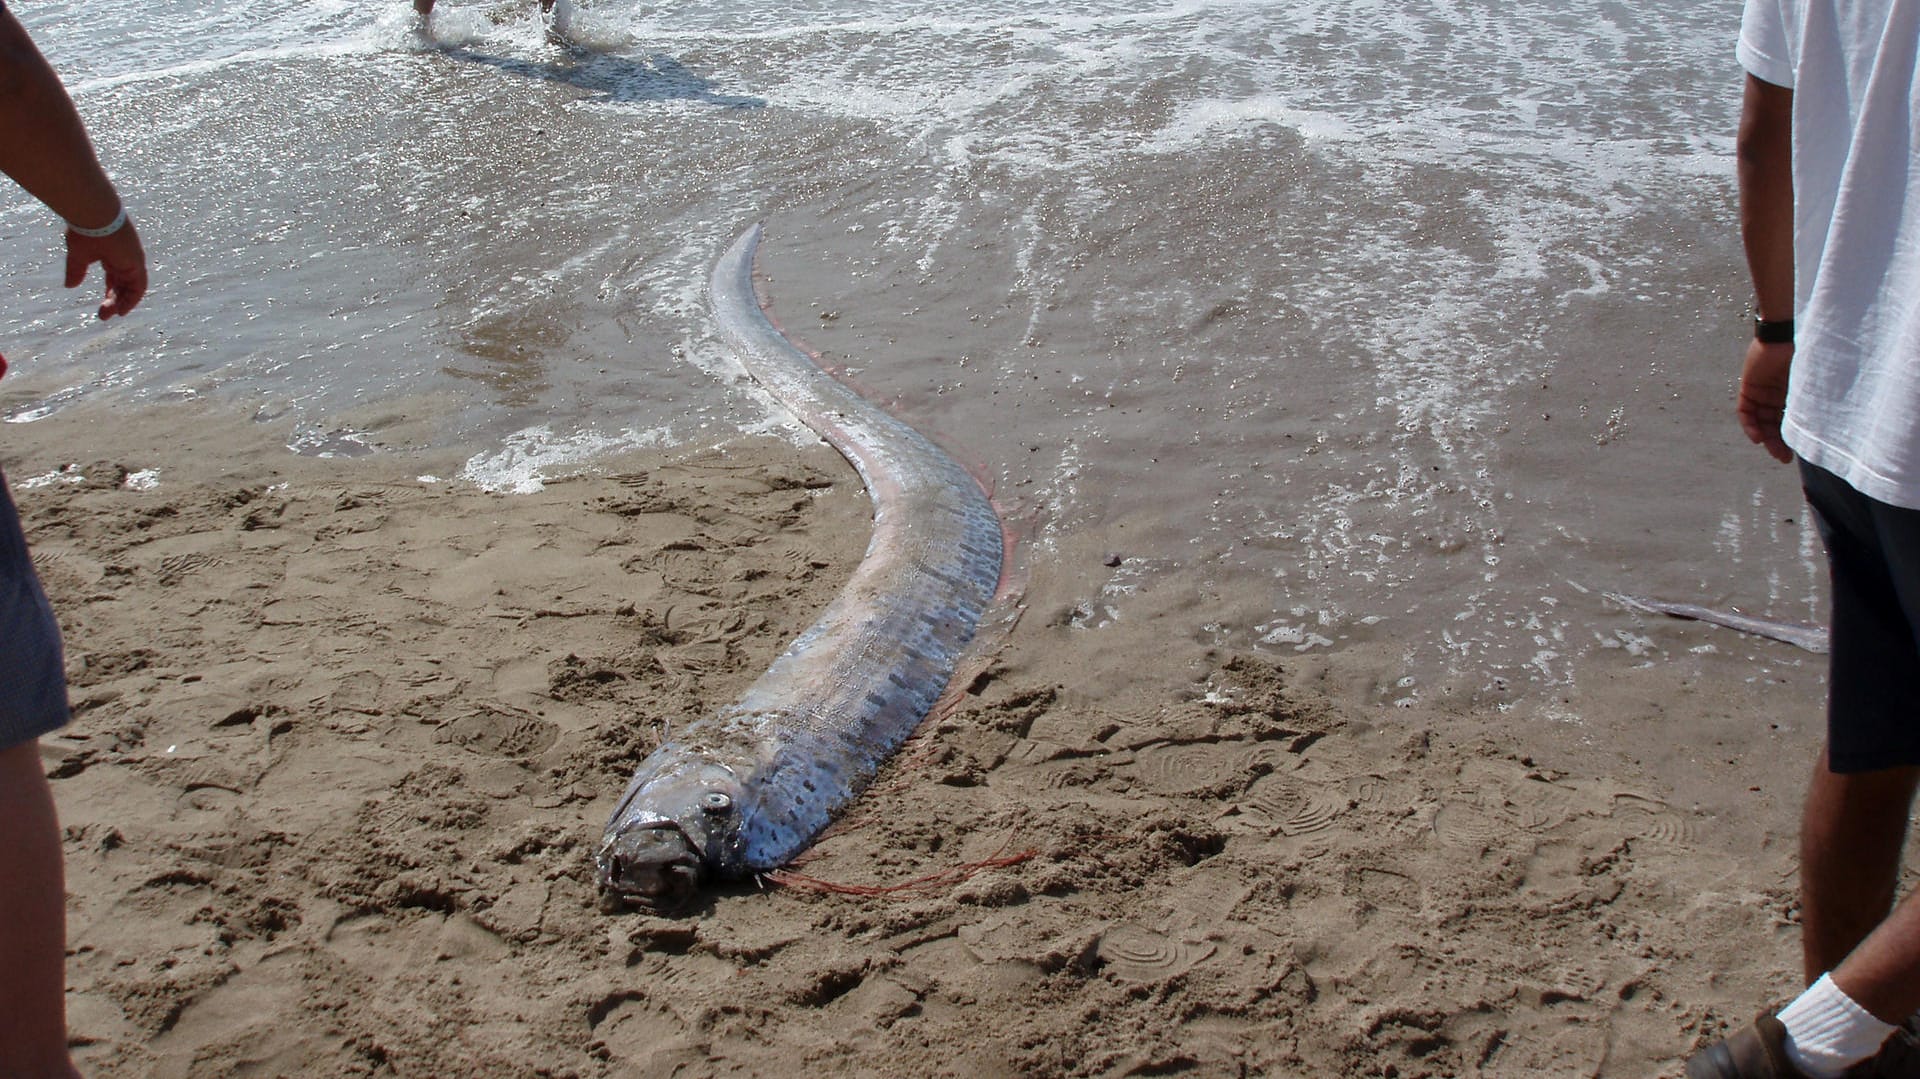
x=119, y=221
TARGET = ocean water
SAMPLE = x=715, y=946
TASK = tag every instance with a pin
x=1404, y=331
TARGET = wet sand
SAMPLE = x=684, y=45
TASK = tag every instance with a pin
x=344, y=739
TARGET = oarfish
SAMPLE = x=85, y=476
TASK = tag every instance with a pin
x=1799, y=634
x=746, y=789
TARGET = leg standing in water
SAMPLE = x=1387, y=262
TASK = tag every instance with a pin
x=45, y=148
x=1830, y=378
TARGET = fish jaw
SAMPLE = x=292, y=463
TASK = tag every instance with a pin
x=651, y=865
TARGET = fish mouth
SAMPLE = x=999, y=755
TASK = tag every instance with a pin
x=651, y=867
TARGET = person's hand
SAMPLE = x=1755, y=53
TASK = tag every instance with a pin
x=121, y=259
x=1762, y=403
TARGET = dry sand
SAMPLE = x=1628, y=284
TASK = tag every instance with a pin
x=344, y=740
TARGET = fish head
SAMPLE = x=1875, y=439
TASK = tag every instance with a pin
x=669, y=835
x=648, y=865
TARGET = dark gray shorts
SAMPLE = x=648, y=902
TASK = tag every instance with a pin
x=1873, y=673
x=33, y=677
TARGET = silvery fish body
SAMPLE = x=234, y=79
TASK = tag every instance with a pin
x=1799, y=634
x=750, y=787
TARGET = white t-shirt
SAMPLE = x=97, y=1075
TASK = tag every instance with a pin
x=1853, y=399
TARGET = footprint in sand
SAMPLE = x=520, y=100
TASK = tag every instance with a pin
x=1186, y=769
x=174, y=567
x=1010, y=937
x=690, y=566
x=1461, y=824
x=1650, y=818
x=1540, y=807
x=1575, y=981
x=63, y=568
x=1144, y=725
x=1296, y=807
x=1136, y=953
x=630, y=1026
x=499, y=734
x=1369, y=791
x=1258, y=758
x=784, y=565
x=1206, y=899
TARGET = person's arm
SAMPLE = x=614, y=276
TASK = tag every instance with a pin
x=45, y=149
x=1765, y=155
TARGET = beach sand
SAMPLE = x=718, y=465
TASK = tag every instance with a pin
x=344, y=740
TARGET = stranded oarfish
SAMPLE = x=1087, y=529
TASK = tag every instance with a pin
x=1799, y=634
x=748, y=788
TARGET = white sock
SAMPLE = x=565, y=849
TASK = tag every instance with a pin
x=1827, y=1033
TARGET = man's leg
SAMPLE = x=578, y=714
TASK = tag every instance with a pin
x=1879, y=975
x=33, y=910
x=1853, y=831
x=1854, y=823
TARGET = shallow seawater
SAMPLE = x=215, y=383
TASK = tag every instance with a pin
x=1338, y=326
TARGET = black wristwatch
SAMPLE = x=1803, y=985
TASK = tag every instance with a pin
x=1773, y=333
